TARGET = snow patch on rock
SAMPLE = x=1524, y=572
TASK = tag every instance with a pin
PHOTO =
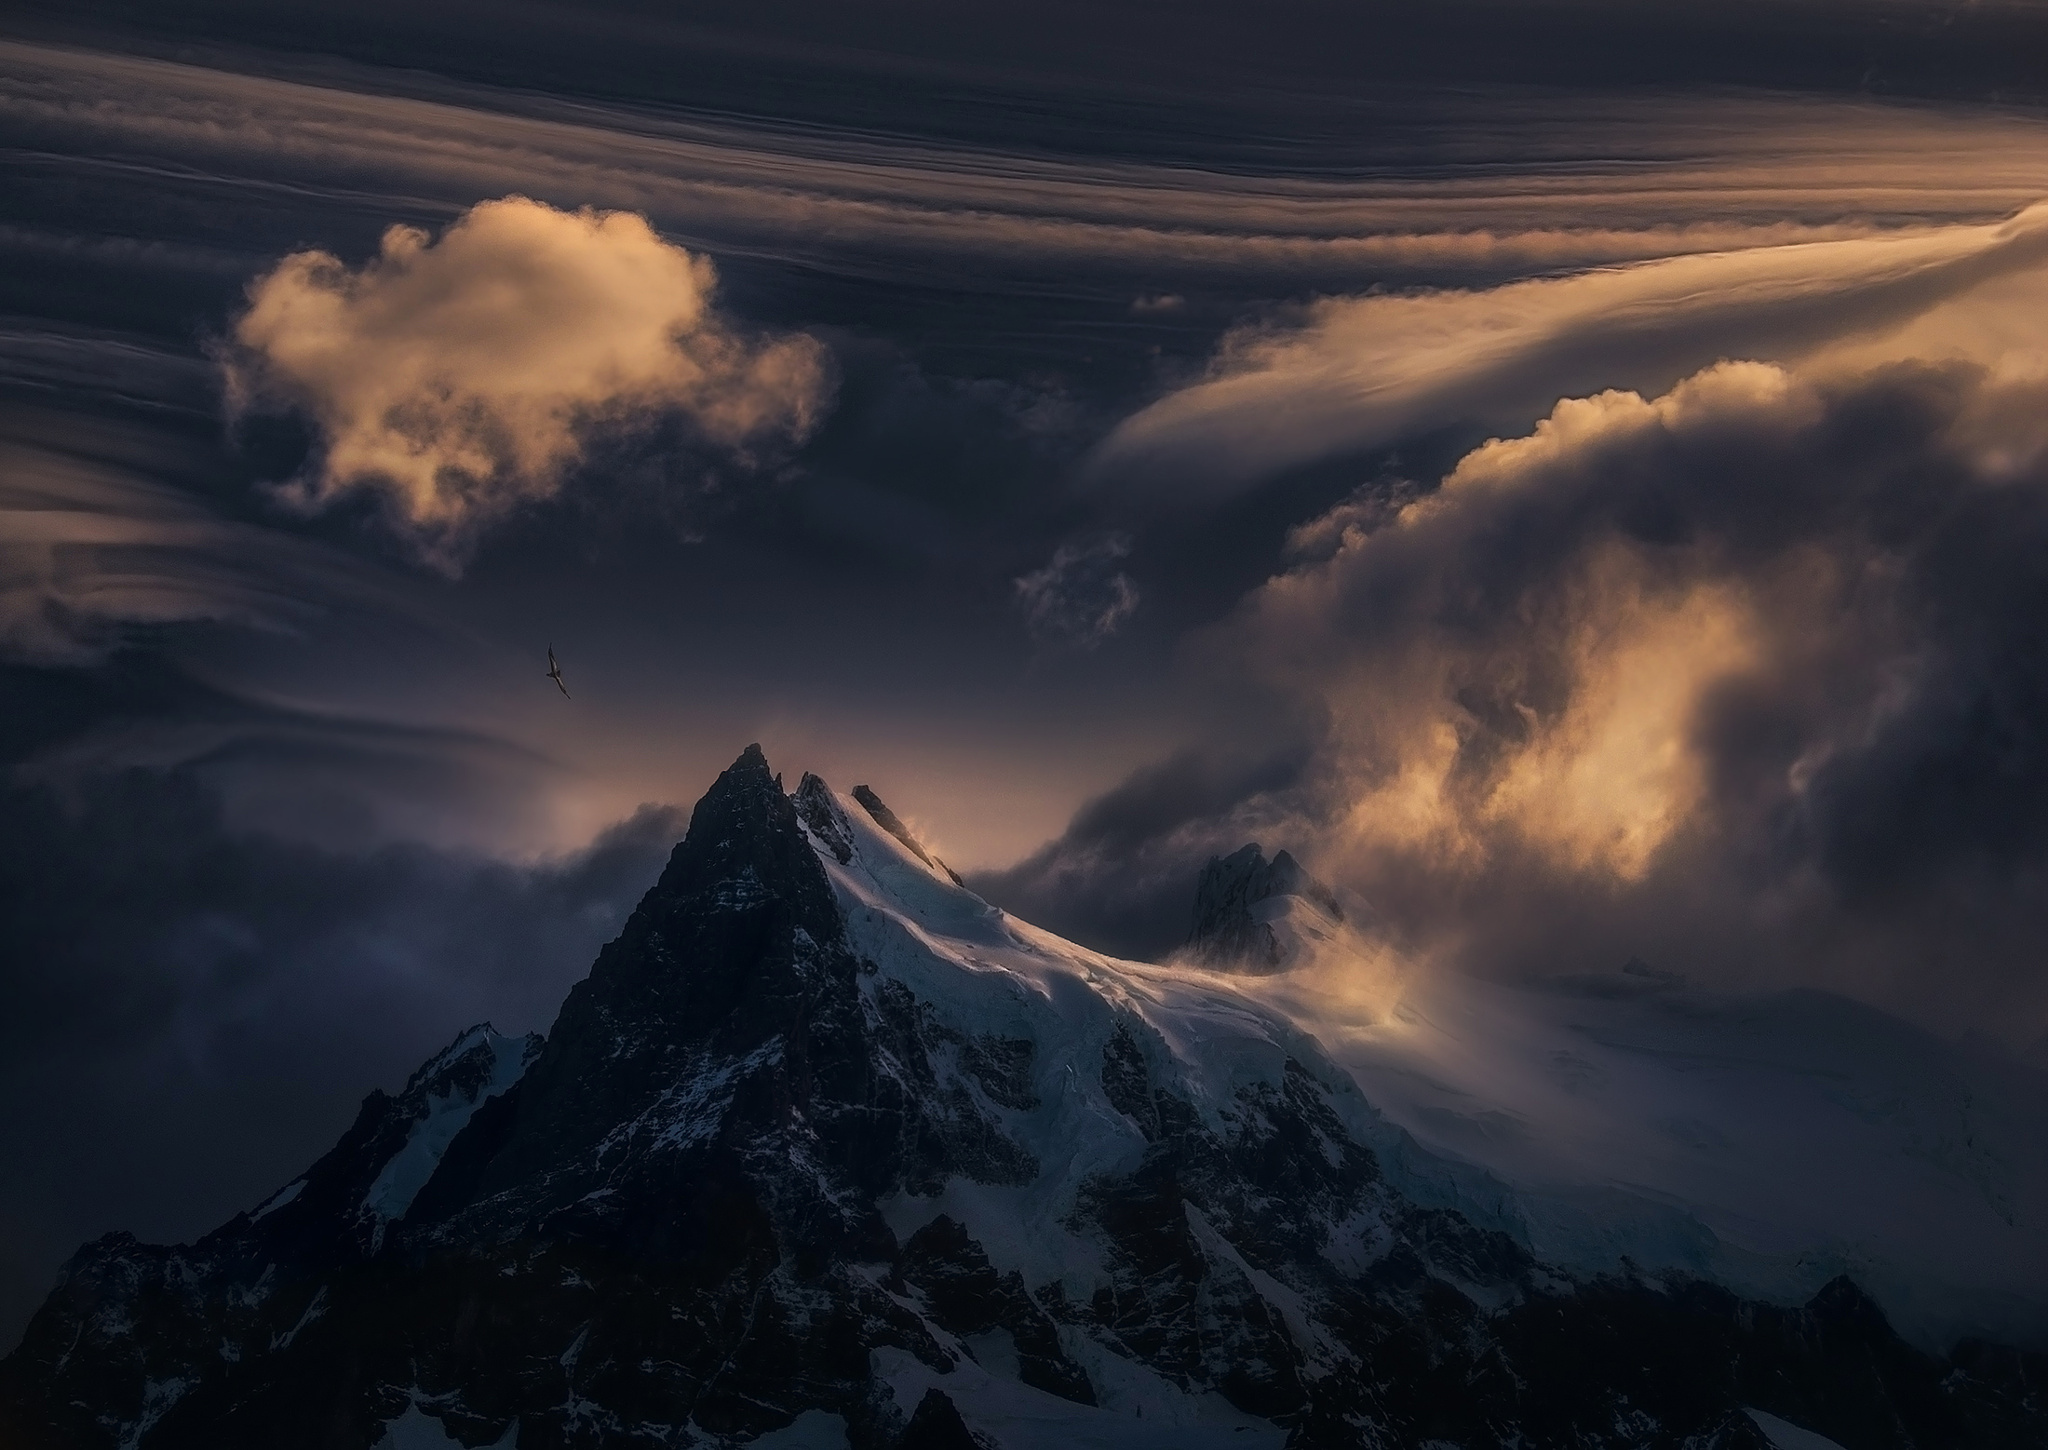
x=278, y=1199
x=1139, y=1411
x=417, y=1430
x=1788, y=1436
x=447, y=1113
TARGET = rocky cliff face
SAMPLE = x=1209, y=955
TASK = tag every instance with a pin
x=826, y=1151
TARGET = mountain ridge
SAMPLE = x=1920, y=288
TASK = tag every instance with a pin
x=823, y=1135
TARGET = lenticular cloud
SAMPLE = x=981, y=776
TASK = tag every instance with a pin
x=456, y=379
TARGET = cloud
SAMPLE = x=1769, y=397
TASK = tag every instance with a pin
x=455, y=379
x=205, y=1006
x=1353, y=373
x=1647, y=177
x=1080, y=597
x=1121, y=877
x=1745, y=679
x=93, y=555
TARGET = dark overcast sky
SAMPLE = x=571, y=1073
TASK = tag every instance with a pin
x=1069, y=419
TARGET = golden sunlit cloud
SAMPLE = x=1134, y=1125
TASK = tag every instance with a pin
x=1499, y=656
x=1606, y=784
x=458, y=378
x=1354, y=372
x=1683, y=674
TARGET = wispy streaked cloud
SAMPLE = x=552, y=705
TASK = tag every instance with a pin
x=1647, y=178
x=91, y=555
x=1352, y=373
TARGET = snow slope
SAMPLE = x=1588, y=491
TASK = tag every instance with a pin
x=1768, y=1142
x=989, y=973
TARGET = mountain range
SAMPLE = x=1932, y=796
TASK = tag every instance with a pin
x=827, y=1151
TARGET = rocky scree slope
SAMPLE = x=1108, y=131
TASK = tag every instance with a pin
x=828, y=1151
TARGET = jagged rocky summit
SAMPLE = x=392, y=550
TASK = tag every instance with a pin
x=1258, y=916
x=826, y=1151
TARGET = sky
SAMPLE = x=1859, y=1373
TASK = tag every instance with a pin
x=1574, y=474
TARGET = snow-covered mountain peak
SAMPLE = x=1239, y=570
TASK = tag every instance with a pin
x=828, y=1151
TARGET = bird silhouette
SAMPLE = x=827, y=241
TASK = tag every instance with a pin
x=555, y=672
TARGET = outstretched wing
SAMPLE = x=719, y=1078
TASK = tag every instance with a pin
x=555, y=673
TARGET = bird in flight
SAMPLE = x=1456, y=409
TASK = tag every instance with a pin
x=555, y=672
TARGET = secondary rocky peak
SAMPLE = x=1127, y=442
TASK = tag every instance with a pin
x=466, y=1064
x=890, y=822
x=1237, y=901
x=824, y=819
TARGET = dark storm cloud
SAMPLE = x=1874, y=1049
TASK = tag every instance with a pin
x=128, y=603
x=190, y=1011
x=1121, y=877
x=1081, y=595
x=721, y=53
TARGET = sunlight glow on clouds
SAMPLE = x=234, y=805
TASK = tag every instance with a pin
x=1742, y=677
x=459, y=378
x=1350, y=373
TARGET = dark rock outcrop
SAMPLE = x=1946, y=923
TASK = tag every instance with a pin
x=1231, y=930
x=936, y=1425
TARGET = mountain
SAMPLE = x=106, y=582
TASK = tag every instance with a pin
x=827, y=1151
x=1254, y=915
x=1769, y=1141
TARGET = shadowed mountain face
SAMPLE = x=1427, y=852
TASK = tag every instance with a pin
x=825, y=1147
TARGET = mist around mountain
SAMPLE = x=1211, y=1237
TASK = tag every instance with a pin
x=827, y=1150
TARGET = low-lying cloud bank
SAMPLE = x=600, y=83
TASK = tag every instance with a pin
x=455, y=379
